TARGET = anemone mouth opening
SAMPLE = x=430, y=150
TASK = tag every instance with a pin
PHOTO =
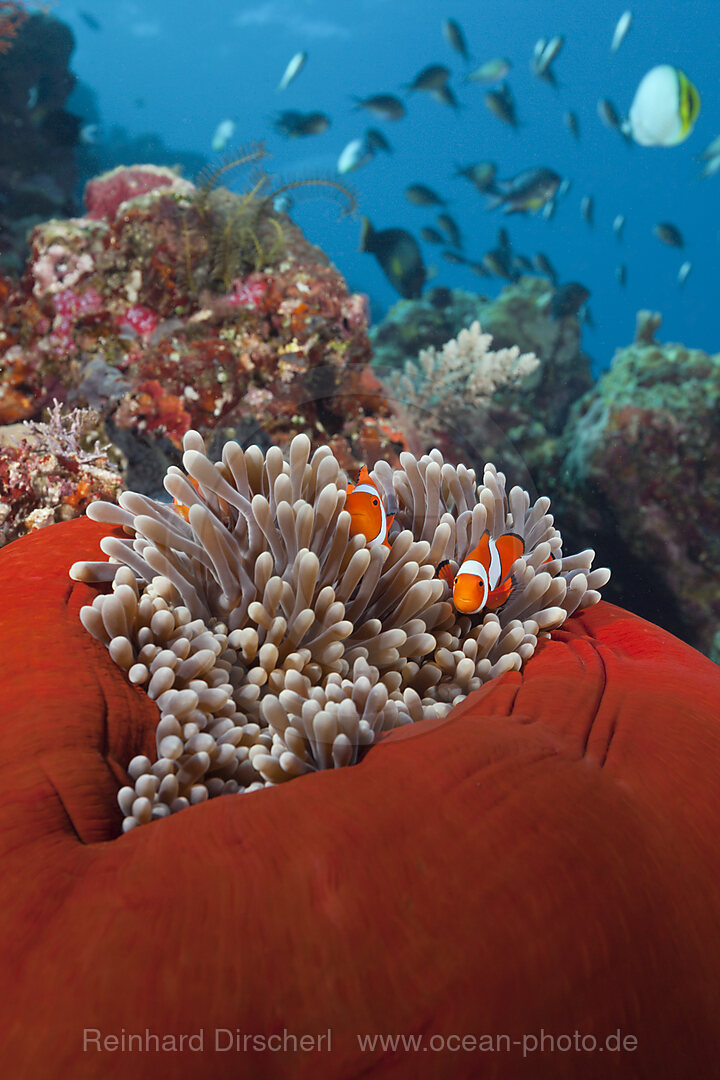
x=275, y=642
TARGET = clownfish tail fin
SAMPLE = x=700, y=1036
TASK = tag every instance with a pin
x=445, y=572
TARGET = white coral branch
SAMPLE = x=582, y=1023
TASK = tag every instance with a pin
x=464, y=375
x=63, y=435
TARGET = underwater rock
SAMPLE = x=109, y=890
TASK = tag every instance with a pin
x=640, y=481
x=193, y=307
x=38, y=136
x=544, y=858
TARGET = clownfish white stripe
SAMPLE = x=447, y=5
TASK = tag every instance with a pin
x=472, y=566
x=495, y=568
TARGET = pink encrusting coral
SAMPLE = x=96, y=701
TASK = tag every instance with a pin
x=172, y=306
x=105, y=194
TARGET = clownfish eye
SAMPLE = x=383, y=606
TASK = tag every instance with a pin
x=375, y=502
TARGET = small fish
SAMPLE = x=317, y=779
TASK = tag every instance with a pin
x=498, y=261
x=450, y=228
x=384, y=106
x=490, y=71
x=538, y=50
x=543, y=56
x=609, y=114
x=587, y=209
x=683, y=273
x=292, y=70
x=619, y=227
x=669, y=234
x=623, y=25
x=364, y=503
x=529, y=190
x=712, y=149
x=543, y=264
x=521, y=262
x=664, y=109
x=568, y=299
x=572, y=123
x=32, y=98
x=549, y=53
x=621, y=274
x=585, y=316
x=445, y=96
x=283, y=203
x=432, y=77
x=90, y=134
x=484, y=578
x=503, y=239
x=455, y=38
x=481, y=174
x=296, y=124
x=431, y=236
x=377, y=141
x=223, y=134
x=478, y=268
x=89, y=20
x=711, y=167
x=502, y=105
x=356, y=153
x=453, y=257
x=420, y=195
x=399, y=256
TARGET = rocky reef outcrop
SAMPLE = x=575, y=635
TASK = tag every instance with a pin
x=38, y=134
x=641, y=472
x=631, y=461
x=169, y=306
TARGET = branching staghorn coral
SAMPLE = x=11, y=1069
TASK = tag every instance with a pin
x=442, y=388
x=275, y=643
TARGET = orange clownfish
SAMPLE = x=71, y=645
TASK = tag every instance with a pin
x=483, y=580
x=367, y=513
x=184, y=511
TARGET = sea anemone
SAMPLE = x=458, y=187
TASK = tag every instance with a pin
x=276, y=643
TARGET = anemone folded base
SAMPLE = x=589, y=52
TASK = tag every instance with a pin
x=545, y=859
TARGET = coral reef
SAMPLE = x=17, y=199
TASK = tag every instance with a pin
x=171, y=306
x=38, y=135
x=630, y=462
x=52, y=471
x=521, y=424
x=276, y=642
x=557, y=830
x=641, y=473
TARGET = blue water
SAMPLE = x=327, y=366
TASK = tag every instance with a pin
x=193, y=64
